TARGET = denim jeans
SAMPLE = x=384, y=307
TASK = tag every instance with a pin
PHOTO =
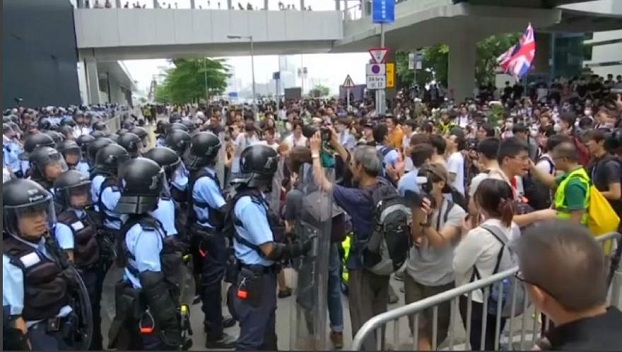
x=335, y=307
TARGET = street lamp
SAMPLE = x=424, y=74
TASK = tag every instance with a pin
x=250, y=39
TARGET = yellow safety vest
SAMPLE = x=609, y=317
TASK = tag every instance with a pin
x=560, y=194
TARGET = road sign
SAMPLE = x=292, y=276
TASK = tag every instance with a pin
x=348, y=83
x=375, y=69
x=383, y=11
x=379, y=54
x=390, y=67
x=376, y=82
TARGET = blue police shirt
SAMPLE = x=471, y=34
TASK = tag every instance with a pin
x=255, y=229
x=159, y=142
x=64, y=233
x=25, y=166
x=96, y=184
x=207, y=191
x=180, y=178
x=10, y=155
x=13, y=280
x=110, y=197
x=83, y=167
x=165, y=213
x=408, y=182
x=145, y=245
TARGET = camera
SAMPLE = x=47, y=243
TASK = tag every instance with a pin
x=309, y=130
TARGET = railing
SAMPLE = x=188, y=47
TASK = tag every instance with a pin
x=114, y=123
x=270, y=5
x=376, y=327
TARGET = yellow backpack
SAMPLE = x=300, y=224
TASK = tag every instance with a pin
x=602, y=219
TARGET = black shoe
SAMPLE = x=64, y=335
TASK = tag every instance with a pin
x=225, y=342
x=228, y=322
x=285, y=293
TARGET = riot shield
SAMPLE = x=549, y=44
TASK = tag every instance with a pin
x=274, y=199
x=220, y=163
x=308, y=328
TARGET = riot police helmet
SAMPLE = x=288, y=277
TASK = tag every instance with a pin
x=204, y=148
x=68, y=122
x=28, y=209
x=100, y=126
x=98, y=133
x=132, y=143
x=44, y=125
x=95, y=146
x=71, y=152
x=121, y=131
x=142, y=181
x=108, y=159
x=72, y=189
x=84, y=141
x=179, y=126
x=46, y=164
x=114, y=137
x=178, y=140
x=56, y=137
x=34, y=141
x=175, y=117
x=167, y=158
x=142, y=134
x=6, y=119
x=162, y=127
x=128, y=124
x=66, y=131
x=258, y=164
x=190, y=125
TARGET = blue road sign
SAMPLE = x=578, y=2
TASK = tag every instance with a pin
x=383, y=11
x=233, y=95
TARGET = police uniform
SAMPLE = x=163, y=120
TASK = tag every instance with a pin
x=205, y=218
x=76, y=231
x=147, y=299
x=253, y=228
x=36, y=287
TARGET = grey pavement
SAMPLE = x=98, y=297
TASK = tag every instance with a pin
x=398, y=336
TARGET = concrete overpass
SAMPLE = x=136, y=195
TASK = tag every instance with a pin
x=126, y=34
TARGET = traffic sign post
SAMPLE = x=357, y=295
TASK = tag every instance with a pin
x=390, y=73
x=376, y=76
x=383, y=11
x=347, y=84
x=379, y=55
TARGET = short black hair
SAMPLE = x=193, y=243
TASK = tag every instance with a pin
x=510, y=148
x=555, y=140
x=489, y=147
x=380, y=132
x=564, y=259
x=421, y=153
x=490, y=131
x=439, y=143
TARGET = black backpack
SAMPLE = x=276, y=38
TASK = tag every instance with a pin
x=387, y=248
x=538, y=194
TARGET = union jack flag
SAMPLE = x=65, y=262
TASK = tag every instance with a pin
x=518, y=59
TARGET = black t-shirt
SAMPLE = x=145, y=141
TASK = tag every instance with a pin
x=581, y=89
x=599, y=333
x=605, y=171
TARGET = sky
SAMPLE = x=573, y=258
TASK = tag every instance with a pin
x=327, y=69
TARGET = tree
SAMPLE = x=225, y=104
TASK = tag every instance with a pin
x=323, y=91
x=190, y=79
x=436, y=61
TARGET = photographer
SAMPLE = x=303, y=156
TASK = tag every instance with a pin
x=436, y=230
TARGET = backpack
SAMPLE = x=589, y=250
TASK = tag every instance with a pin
x=538, y=195
x=508, y=290
x=387, y=248
x=458, y=198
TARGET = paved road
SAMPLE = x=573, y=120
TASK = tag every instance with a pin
x=396, y=339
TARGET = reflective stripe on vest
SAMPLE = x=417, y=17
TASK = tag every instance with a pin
x=560, y=194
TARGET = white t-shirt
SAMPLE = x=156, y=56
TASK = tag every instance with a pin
x=292, y=142
x=408, y=161
x=455, y=165
x=274, y=146
x=241, y=141
x=479, y=248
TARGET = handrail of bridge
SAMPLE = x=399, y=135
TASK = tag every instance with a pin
x=114, y=123
x=352, y=13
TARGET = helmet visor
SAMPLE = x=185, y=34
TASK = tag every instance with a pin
x=79, y=197
x=31, y=220
x=53, y=166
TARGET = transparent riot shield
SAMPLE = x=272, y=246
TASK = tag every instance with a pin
x=308, y=328
x=220, y=163
x=274, y=199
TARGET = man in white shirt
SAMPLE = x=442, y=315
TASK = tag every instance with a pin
x=243, y=140
x=269, y=139
x=455, y=163
x=296, y=139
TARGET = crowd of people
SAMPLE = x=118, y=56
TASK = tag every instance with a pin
x=207, y=4
x=483, y=186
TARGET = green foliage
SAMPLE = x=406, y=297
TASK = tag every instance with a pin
x=322, y=90
x=436, y=58
x=187, y=81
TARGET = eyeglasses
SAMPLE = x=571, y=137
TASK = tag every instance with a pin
x=519, y=276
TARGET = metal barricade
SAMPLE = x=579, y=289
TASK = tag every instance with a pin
x=518, y=333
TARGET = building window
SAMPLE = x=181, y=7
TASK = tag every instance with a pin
x=587, y=53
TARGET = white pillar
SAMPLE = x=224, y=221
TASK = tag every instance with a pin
x=92, y=82
x=462, y=58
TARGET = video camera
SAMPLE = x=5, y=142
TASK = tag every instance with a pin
x=309, y=130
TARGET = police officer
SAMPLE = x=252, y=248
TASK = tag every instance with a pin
x=31, y=143
x=104, y=187
x=11, y=149
x=94, y=147
x=149, y=280
x=178, y=140
x=132, y=143
x=71, y=152
x=76, y=234
x=46, y=164
x=83, y=142
x=35, y=281
x=142, y=134
x=206, y=220
x=166, y=211
x=259, y=248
